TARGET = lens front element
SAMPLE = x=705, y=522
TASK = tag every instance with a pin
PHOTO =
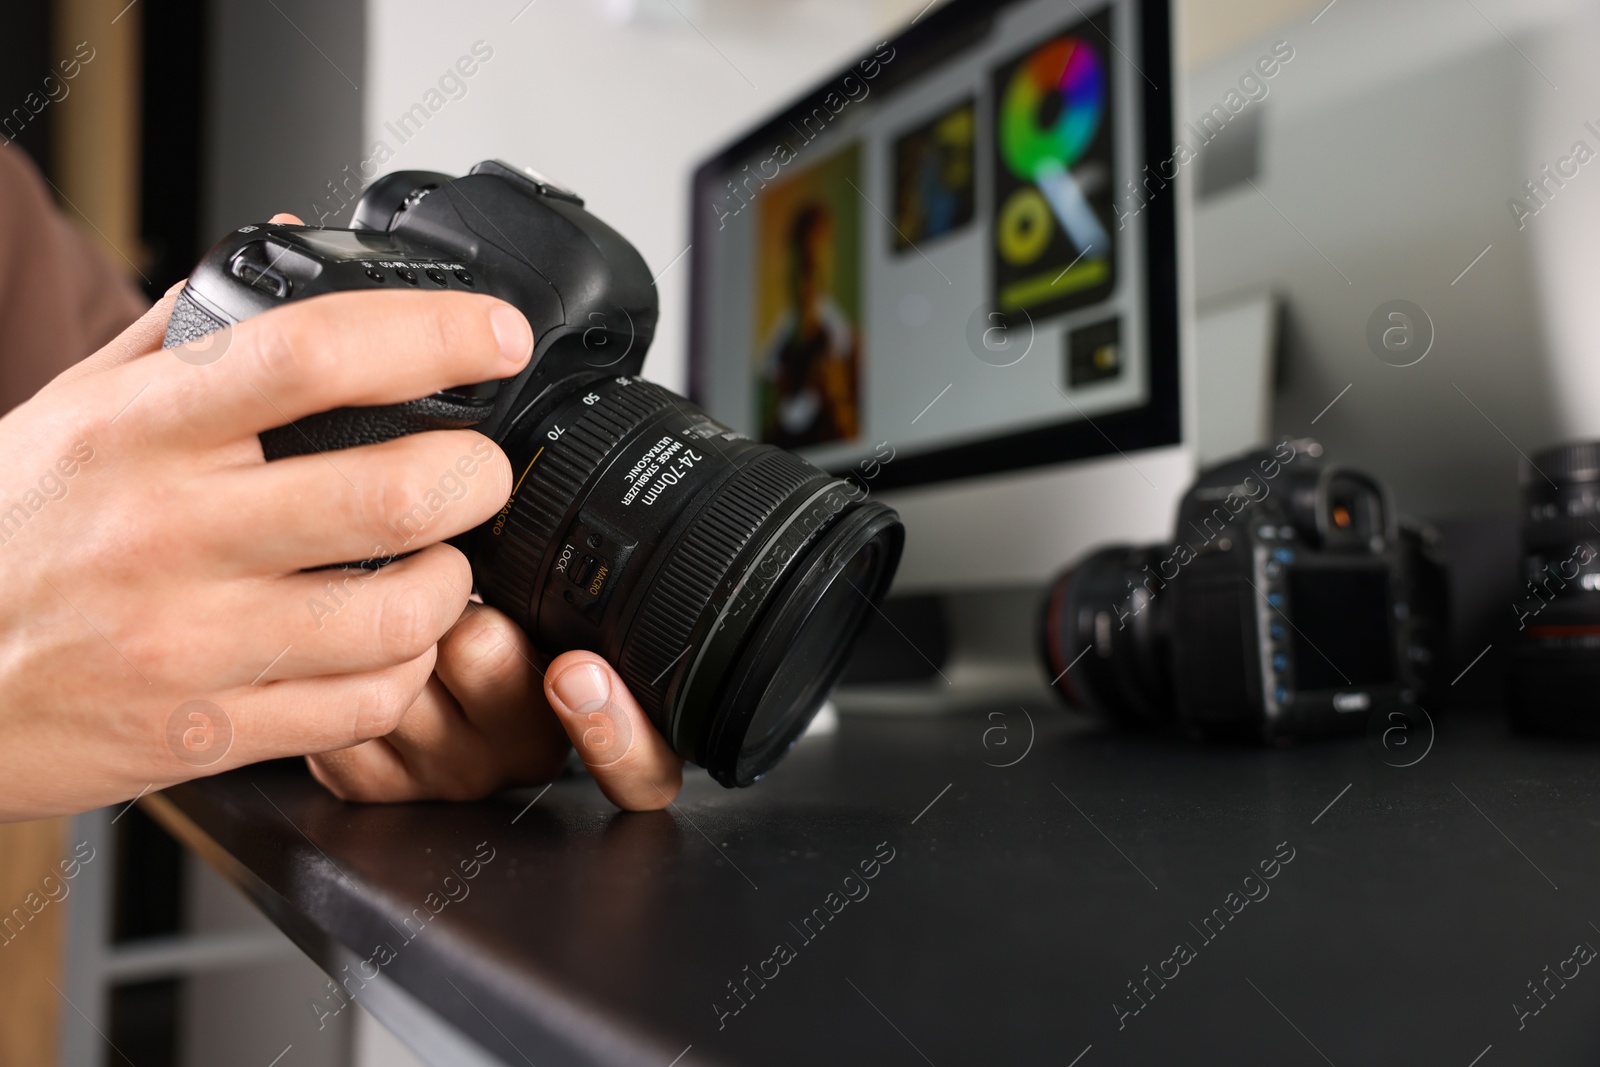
x=801, y=644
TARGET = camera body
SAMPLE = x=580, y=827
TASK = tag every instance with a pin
x=1291, y=602
x=485, y=233
x=726, y=579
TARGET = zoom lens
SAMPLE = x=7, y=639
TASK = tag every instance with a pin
x=1556, y=664
x=727, y=580
x=1104, y=634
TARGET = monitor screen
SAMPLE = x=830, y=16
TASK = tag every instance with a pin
x=951, y=253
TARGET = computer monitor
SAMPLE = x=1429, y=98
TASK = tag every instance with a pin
x=951, y=271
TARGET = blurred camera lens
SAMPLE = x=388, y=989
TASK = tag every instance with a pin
x=1555, y=674
x=727, y=580
x=1105, y=635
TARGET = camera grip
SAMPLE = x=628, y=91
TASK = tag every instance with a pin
x=189, y=322
x=330, y=431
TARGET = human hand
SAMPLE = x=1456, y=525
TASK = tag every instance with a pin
x=489, y=718
x=158, y=622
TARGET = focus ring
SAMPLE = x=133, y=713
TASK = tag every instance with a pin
x=1560, y=536
x=562, y=470
x=685, y=585
x=1565, y=463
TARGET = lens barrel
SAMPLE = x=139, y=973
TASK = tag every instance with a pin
x=1560, y=497
x=1105, y=636
x=727, y=580
x=1555, y=672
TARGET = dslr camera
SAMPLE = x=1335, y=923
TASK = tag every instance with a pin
x=1291, y=602
x=727, y=580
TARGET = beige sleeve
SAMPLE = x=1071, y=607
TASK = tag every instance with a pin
x=60, y=300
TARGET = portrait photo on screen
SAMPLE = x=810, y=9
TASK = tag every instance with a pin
x=808, y=304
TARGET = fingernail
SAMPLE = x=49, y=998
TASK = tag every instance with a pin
x=582, y=688
x=513, y=333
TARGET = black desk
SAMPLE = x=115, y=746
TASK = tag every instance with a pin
x=1019, y=905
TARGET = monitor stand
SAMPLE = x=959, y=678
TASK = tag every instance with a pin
x=951, y=652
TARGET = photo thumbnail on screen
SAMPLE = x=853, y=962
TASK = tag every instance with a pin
x=808, y=305
x=935, y=188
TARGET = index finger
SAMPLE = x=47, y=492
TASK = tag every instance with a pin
x=355, y=349
x=143, y=336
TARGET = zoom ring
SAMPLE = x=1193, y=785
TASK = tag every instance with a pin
x=562, y=470
x=686, y=583
x=1560, y=537
x=1578, y=462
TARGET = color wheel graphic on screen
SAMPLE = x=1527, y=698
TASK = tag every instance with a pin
x=1048, y=117
x=1054, y=155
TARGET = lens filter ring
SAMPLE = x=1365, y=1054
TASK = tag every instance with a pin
x=758, y=632
x=714, y=538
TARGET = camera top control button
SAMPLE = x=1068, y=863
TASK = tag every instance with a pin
x=435, y=276
x=1266, y=533
x=464, y=278
x=528, y=178
x=1275, y=599
x=1280, y=662
x=1286, y=533
x=375, y=274
x=258, y=269
x=407, y=275
x=1283, y=555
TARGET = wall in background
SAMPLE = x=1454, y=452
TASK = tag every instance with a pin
x=26, y=56
x=94, y=139
x=1215, y=28
x=174, y=85
x=287, y=83
x=1389, y=147
x=618, y=110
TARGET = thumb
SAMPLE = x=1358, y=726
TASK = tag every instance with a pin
x=629, y=759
